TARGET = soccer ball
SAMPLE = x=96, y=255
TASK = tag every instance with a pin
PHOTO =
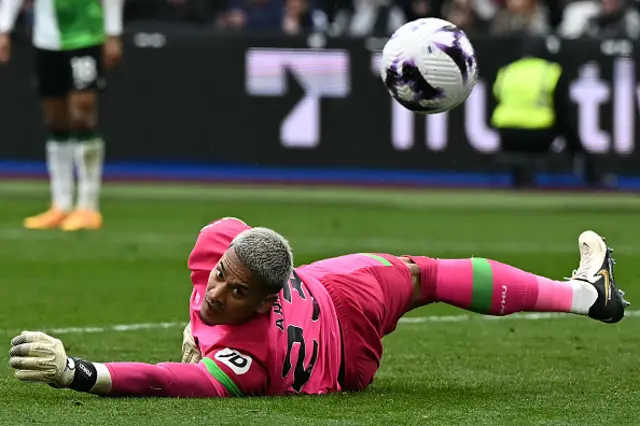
x=429, y=66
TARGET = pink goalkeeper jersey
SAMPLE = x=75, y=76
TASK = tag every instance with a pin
x=294, y=349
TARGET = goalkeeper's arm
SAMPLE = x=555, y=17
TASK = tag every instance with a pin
x=169, y=379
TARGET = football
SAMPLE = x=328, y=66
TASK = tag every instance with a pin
x=429, y=66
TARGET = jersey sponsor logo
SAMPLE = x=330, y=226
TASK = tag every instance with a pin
x=236, y=361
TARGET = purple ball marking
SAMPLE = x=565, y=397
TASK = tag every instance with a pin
x=417, y=26
x=470, y=62
x=411, y=76
x=462, y=60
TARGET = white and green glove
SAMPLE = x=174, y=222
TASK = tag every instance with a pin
x=190, y=352
x=38, y=357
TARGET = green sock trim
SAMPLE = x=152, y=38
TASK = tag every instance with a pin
x=86, y=135
x=482, y=294
x=60, y=136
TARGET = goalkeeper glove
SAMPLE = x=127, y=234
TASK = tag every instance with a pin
x=190, y=352
x=38, y=357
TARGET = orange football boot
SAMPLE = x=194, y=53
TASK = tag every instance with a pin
x=50, y=219
x=81, y=220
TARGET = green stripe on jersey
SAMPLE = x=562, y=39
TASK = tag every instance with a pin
x=482, y=285
x=380, y=259
x=221, y=377
x=80, y=23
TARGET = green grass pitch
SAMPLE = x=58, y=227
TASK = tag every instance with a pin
x=94, y=290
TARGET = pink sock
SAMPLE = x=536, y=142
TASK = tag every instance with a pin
x=494, y=288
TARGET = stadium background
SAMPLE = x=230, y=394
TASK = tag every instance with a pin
x=296, y=132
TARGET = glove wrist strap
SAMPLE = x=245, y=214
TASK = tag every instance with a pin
x=85, y=376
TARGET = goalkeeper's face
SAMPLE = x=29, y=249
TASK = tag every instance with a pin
x=233, y=295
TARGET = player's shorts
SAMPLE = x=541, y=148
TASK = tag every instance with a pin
x=59, y=72
x=370, y=293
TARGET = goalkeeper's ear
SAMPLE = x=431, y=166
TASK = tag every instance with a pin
x=267, y=303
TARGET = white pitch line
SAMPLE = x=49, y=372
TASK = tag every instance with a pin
x=529, y=316
x=103, y=329
x=117, y=328
x=407, y=198
x=311, y=245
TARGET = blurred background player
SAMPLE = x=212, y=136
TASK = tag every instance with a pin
x=74, y=41
x=530, y=116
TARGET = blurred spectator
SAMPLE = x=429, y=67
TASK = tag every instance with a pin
x=338, y=14
x=361, y=18
x=415, y=9
x=615, y=18
x=292, y=17
x=194, y=11
x=521, y=17
x=462, y=14
x=485, y=9
x=575, y=18
x=554, y=9
x=254, y=14
x=299, y=17
x=376, y=17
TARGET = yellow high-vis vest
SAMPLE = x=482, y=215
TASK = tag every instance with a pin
x=524, y=90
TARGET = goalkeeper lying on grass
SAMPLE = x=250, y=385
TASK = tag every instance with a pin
x=260, y=327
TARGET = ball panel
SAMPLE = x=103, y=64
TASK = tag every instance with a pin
x=429, y=66
x=407, y=84
x=447, y=39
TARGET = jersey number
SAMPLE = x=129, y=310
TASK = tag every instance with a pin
x=295, y=335
x=301, y=375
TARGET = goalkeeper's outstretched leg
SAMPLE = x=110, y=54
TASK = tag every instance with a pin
x=371, y=292
x=493, y=288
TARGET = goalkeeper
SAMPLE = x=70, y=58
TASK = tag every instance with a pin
x=259, y=327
